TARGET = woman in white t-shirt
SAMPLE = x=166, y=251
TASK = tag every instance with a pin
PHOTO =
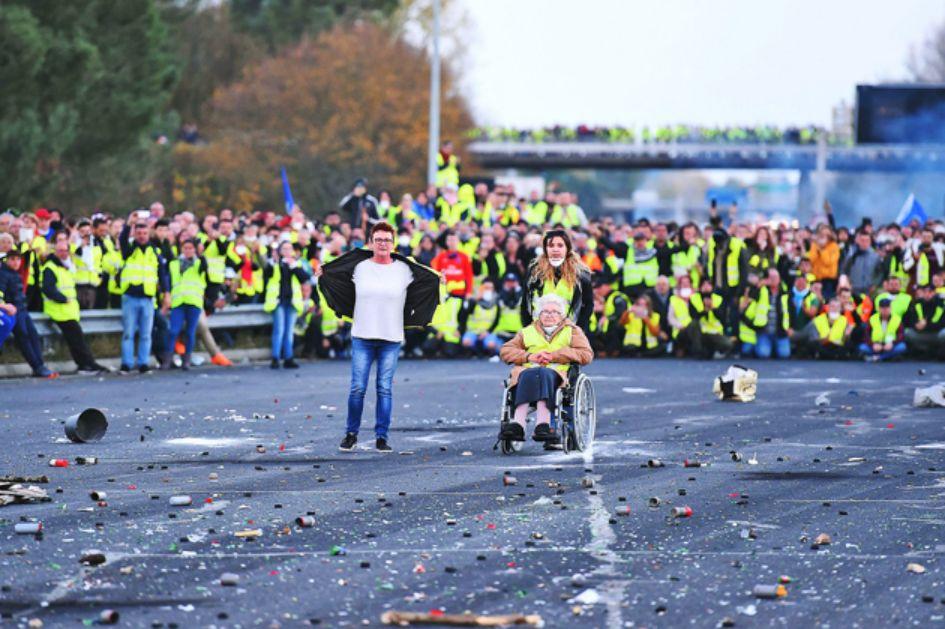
x=382, y=292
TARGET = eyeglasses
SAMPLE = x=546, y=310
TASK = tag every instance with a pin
x=551, y=312
x=387, y=241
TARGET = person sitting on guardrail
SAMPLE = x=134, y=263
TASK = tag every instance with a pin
x=541, y=354
x=188, y=276
x=284, y=279
x=61, y=305
x=24, y=331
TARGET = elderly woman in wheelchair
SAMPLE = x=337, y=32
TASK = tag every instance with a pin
x=545, y=356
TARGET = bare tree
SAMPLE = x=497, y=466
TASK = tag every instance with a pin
x=927, y=63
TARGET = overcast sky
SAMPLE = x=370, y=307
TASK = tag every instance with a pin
x=635, y=62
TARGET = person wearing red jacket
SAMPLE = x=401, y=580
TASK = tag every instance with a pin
x=455, y=267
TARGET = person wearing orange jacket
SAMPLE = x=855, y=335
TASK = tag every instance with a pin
x=455, y=267
x=824, y=256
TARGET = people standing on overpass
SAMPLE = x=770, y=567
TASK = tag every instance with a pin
x=382, y=292
x=24, y=331
x=60, y=303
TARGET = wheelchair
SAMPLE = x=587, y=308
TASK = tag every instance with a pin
x=574, y=418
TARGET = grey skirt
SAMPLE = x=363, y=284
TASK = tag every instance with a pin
x=537, y=383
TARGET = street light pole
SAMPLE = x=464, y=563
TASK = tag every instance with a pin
x=434, y=145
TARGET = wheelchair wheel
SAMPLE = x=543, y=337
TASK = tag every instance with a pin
x=585, y=413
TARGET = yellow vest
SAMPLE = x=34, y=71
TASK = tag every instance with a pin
x=65, y=282
x=535, y=341
x=480, y=319
x=560, y=288
x=636, y=330
x=735, y=247
x=216, y=260
x=140, y=269
x=680, y=308
x=272, y=291
x=834, y=332
x=187, y=289
x=447, y=171
x=637, y=273
x=446, y=319
x=330, y=321
x=90, y=275
x=876, y=329
x=510, y=320
x=708, y=322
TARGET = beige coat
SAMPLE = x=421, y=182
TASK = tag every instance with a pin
x=514, y=352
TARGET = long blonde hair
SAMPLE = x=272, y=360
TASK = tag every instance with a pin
x=571, y=268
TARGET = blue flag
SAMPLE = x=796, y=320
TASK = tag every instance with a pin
x=911, y=209
x=287, y=191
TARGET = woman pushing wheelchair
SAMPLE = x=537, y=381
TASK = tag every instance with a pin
x=545, y=356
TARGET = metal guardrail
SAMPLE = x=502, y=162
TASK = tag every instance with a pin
x=109, y=321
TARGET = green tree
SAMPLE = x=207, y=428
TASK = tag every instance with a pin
x=83, y=82
x=280, y=22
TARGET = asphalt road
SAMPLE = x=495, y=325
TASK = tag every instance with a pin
x=433, y=527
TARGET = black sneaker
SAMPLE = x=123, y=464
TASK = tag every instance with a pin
x=124, y=369
x=381, y=446
x=513, y=431
x=543, y=432
x=290, y=364
x=274, y=364
x=348, y=443
x=144, y=369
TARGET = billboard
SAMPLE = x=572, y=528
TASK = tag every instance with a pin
x=900, y=114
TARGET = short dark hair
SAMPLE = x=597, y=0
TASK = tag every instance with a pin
x=382, y=226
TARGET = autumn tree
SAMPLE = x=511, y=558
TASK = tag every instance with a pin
x=351, y=103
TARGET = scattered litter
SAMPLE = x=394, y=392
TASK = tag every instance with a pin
x=108, y=617
x=305, y=521
x=587, y=482
x=229, y=579
x=58, y=463
x=915, y=568
x=509, y=480
x=437, y=617
x=929, y=396
x=654, y=463
x=248, y=533
x=28, y=528
x=681, y=512
x=587, y=597
x=654, y=502
x=738, y=384
x=97, y=495
x=181, y=501
x=16, y=493
x=86, y=460
x=623, y=510
x=822, y=540
x=93, y=558
x=753, y=460
x=769, y=591
x=822, y=400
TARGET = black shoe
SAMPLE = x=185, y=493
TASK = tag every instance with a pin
x=348, y=443
x=381, y=446
x=543, y=432
x=274, y=364
x=513, y=431
x=124, y=369
x=144, y=369
x=290, y=364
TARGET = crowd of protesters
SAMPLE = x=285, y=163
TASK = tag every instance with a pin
x=725, y=288
x=666, y=134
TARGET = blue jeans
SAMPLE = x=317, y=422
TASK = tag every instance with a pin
x=283, y=320
x=183, y=316
x=363, y=353
x=7, y=323
x=765, y=344
x=866, y=349
x=27, y=340
x=137, y=316
x=490, y=343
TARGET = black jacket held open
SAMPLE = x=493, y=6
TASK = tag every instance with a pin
x=423, y=294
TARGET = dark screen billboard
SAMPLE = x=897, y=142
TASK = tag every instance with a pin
x=900, y=114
